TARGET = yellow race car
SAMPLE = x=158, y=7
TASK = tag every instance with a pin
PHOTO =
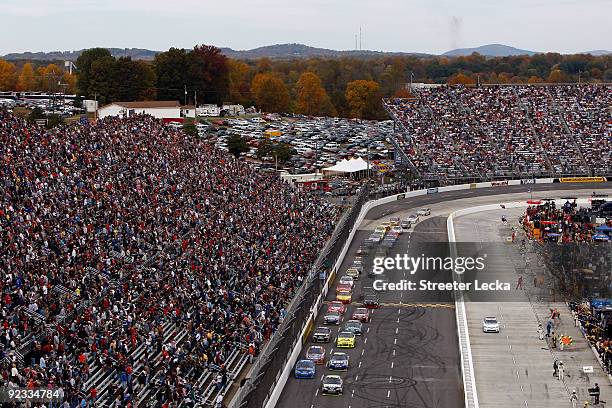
x=345, y=340
x=344, y=296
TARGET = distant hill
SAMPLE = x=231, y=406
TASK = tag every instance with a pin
x=285, y=51
x=490, y=50
x=597, y=53
x=135, y=53
x=292, y=51
x=278, y=51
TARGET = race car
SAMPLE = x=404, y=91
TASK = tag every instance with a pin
x=343, y=287
x=490, y=325
x=353, y=273
x=331, y=384
x=371, y=302
x=347, y=280
x=305, y=369
x=424, y=212
x=338, y=361
x=362, y=314
x=344, y=296
x=353, y=326
x=336, y=306
x=395, y=221
x=332, y=318
x=321, y=335
x=345, y=340
x=316, y=354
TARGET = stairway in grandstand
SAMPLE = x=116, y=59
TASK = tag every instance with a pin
x=561, y=113
x=536, y=137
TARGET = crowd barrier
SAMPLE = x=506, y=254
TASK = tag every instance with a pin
x=283, y=374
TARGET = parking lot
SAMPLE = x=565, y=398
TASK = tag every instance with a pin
x=317, y=142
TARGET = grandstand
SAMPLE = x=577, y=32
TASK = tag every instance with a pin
x=140, y=264
x=457, y=134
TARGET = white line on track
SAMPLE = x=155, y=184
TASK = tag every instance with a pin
x=368, y=329
x=522, y=390
x=390, y=379
x=391, y=367
x=393, y=352
x=317, y=392
x=395, y=341
x=396, y=330
x=398, y=319
x=356, y=378
x=362, y=351
x=399, y=311
x=517, y=374
x=365, y=341
x=360, y=364
x=352, y=395
x=388, y=393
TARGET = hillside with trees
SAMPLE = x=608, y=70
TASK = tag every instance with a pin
x=349, y=87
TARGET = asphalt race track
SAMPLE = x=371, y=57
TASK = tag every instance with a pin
x=408, y=355
x=425, y=200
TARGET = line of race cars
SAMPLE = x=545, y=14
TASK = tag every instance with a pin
x=385, y=234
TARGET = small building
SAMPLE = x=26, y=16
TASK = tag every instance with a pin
x=188, y=111
x=167, y=110
x=209, y=110
x=232, y=110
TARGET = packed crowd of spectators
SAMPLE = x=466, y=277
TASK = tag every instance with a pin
x=503, y=131
x=595, y=326
x=564, y=224
x=112, y=232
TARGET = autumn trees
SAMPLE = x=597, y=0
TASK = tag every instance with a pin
x=48, y=78
x=315, y=86
x=270, y=93
x=364, y=99
x=311, y=97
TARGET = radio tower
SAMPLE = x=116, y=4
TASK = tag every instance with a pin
x=359, y=38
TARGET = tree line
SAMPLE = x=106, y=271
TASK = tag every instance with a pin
x=350, y=87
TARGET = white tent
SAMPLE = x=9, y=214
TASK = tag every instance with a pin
x=347, y=167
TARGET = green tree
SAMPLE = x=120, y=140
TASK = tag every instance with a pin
x=103, y=80
x=84, y=63
x=190, y=129
x=171, y=69
x=237, y=145
x=284, y=152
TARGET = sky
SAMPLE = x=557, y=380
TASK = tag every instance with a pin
x=431, y=26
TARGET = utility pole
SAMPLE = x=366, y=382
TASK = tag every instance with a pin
x=411, y=76
x=195, y=105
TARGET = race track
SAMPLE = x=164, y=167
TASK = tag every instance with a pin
x=408, y=355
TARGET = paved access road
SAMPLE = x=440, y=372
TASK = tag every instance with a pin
x=408, y=354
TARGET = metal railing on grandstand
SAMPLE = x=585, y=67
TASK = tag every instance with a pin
x=270, y=364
